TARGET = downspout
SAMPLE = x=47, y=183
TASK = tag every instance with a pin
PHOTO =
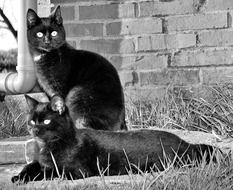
x=24, y=79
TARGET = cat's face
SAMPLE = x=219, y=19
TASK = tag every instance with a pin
x=45, y=34
x=44, y=123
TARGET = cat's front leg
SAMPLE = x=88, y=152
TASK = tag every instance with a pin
x=58, y=104
x=30, y=172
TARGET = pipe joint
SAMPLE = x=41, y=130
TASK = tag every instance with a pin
x=25, y=78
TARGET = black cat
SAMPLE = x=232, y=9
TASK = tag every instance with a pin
x=76, y=152
x=85, y=81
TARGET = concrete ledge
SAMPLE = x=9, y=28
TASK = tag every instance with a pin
x=12, y=150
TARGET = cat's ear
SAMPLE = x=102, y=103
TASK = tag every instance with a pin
x=56, y=15
x=32, y=18
x=31, y=102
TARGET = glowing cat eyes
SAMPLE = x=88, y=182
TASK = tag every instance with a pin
x=54, y=33
x=47, y=121
x=32, y=122
x=39, y=34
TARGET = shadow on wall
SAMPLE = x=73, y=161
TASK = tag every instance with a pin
x=106, y=32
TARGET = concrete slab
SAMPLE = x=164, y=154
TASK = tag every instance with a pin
x=12, y=150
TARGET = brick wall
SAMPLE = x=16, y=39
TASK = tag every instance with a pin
x=155, y=43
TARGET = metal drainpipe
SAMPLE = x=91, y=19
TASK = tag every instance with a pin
x=24, y=79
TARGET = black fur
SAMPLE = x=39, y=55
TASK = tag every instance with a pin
x=76, y=151
x=87, y=82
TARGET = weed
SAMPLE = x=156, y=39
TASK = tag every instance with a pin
x=214, y=175
x=10, y=125
x=176, y=110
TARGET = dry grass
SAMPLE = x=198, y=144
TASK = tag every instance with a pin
x=175, y=110
x=8, y=60
x=179, y=110
x=212, y=176
x=11, y=125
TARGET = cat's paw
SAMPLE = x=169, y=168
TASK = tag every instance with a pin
x=58, y=104
x=30, y=172
x=20, y=179
x=15, y=179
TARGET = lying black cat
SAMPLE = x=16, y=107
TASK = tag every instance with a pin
x=75, y=151
x=86, y=82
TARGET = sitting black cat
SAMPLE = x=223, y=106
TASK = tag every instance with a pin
x=86, y=82
x=75, y=151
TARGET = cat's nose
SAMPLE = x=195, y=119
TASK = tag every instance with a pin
x=35, y=131
x=47, y=42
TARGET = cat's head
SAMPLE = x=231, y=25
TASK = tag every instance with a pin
x=45, y=124
x=45, y=34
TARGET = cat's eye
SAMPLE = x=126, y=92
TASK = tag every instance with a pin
x=54, y=33
x=47, y=121
x=39, y=34
x=32, y=122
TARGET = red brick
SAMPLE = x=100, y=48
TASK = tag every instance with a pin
x=90, y=29
x=139, y=26
x=109, y=45
x=206, y=57
x=88, y=1
x=230, y=19
x=140, y=62
x=153, y=93
x=166, y=41
x=216, y=38
x=68, y=13
x=63, y=1
x=217, y=5
x=129, y=78
x=157, y=8
x=167, y=77
x=196, y=22
x=217, y=75
x=109, y=11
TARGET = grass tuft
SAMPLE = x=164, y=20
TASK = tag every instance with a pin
x=214, y=175
x=181, y=111
x=176, y=109
x=11, y=125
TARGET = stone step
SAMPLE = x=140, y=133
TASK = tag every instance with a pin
x=12, y=150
